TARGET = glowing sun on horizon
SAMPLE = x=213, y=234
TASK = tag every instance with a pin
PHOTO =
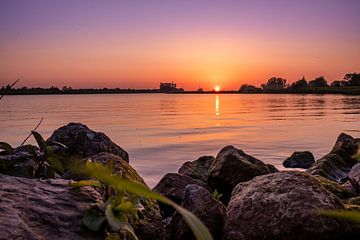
x=217, y=88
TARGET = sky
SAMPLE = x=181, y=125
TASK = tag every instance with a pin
x=138, y=44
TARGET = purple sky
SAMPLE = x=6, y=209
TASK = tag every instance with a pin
x=196, y=43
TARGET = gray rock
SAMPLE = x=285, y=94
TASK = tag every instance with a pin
x=354, y=178
x=331, y=166
x=201, y=202
x=35, y=209
x=299, y=160
x=85, y=142
x=346, y=148
x=283, y=206
x=231, y=167
x=173, y=185
x=197, y=169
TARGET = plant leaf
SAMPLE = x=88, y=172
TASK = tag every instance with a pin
x=130, y=231
x=353, y=216
x=40, y=140
x=83, y=183
x=114, y=223
x=55, y=163
x=93, y=219
x=55, y=143
x=6, y=147
x=124, y=207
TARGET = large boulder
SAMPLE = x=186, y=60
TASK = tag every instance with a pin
x=85, y=142
x=197, y=169
x=210, y=211
x=35, y=209
x=173, y=185
x=346, y=148
x=299, y=160
x=283, y=205
x=231, y=167
x=331, y=166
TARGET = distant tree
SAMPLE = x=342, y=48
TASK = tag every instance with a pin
x=353, y=79
x=339, y=83
x=275, y=83
x=246, y=88
x=299, y=84
x=318, y=82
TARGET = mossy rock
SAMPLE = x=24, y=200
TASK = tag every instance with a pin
x=331, y=166
x=353, y=201
x=335, y=188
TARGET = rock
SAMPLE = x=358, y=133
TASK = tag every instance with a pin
x=199, y=201
x=173, y=185
x=346, y=148
x=231, y=167
x=340, y=191
x=354, y=201
x=149, y=225
x=272, y=168
x=283, y=206
x=299, y=160
x=19, y=163
x=24, y=162
x=120, y=167
x=354, y=178
x=35, y=209
x=197, y=169
x=331, y=166
x=85, y=142
x=337, y=164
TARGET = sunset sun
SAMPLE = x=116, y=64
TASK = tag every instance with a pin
x=217, y=88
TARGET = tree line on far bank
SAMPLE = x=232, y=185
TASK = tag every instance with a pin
x=350, y=83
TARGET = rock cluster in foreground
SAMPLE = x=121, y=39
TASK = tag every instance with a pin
x=237, y=196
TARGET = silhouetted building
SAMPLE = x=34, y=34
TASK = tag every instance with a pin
x=169, y=87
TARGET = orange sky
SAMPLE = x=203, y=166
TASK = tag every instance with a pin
x=228, y=50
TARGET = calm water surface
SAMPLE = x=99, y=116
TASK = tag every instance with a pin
x=161, y=131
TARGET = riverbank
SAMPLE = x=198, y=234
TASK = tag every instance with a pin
x=233, y=193
x=56, y=91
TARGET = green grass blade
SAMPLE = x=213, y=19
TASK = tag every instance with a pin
x=83, y=183
x=353, y=216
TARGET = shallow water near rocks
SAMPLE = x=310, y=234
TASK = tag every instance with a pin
x=161, y=131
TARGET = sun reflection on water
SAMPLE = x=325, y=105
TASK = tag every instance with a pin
x=217, y=105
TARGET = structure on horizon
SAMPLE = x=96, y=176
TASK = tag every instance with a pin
x=168, y=87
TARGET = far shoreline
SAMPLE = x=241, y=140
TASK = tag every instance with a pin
x=354, y=91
